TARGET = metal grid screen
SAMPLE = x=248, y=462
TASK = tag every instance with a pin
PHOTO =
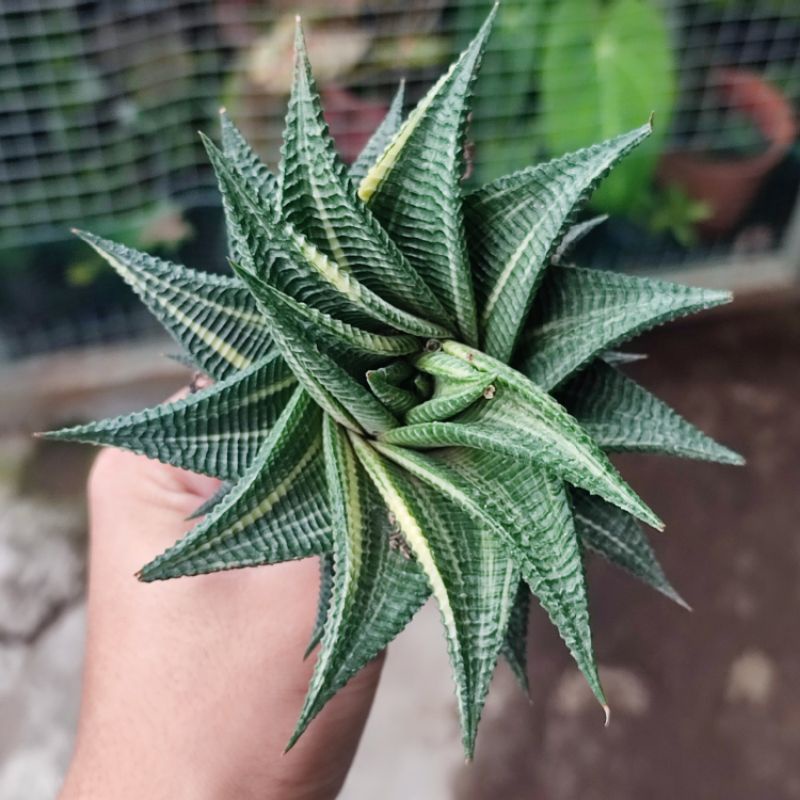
x=101, y=101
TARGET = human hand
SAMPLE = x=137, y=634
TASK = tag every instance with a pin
x=192, y=686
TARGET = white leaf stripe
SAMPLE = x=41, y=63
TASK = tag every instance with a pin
x=524, y=422
x=346, y=400
x=190, y=305
x=280, y=254
x=352, y=545
x=580, y=312
x=384, y=133
x=398, y=503
x=276, y=512
x=319, y=201
x=621, y=415
x=516, y=222
x=419, y=202
x=216, y=431
x=470, y=574
x=352, y=345
x=528, y=511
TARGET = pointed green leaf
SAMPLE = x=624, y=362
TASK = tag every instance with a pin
x=278, y=254
x=620, y=415
x=324, y=601
x=276, y=512
x=336, y=391
x=384, y=384
x=415, y=187
x=245, y=160
x=212, y=317
x=360, y=553
x=253, y=170
x=451, y=397
x=515, y=643
x=383, y=608
x=524, y=422
x=617, y=537
x=216, y=431
x=379, y=140
x=469, y=573
x=516, y=223
x=574, y=235
x=580, y=312
x=528, y=511
x=347, y=344
x=319, y=201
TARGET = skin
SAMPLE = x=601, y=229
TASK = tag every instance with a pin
x=192, y=686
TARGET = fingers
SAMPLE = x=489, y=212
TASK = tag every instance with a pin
x=200, y=679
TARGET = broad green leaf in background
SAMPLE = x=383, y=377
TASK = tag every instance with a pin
x=605, y=68
x=502, y=125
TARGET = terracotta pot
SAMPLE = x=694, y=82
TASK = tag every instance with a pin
x=729, y=186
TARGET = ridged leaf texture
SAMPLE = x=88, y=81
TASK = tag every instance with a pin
x=411, y=384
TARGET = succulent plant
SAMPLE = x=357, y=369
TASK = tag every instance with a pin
x=411, y=384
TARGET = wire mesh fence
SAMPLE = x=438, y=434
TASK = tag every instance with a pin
x=101, y=100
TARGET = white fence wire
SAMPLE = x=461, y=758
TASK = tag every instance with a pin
x=101, y=101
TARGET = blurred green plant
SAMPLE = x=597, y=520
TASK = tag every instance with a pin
x=605, y=67
x=560, y=75
x=671, y=210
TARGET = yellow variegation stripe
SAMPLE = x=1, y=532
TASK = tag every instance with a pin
x=410, y=527
x=371, y=182
x=270, y=501
x=385, y=163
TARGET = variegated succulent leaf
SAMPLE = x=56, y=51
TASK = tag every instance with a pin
x=410, y=384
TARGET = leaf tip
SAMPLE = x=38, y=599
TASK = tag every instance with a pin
x=681, y=602
x=651, y=121
x=607, y=712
